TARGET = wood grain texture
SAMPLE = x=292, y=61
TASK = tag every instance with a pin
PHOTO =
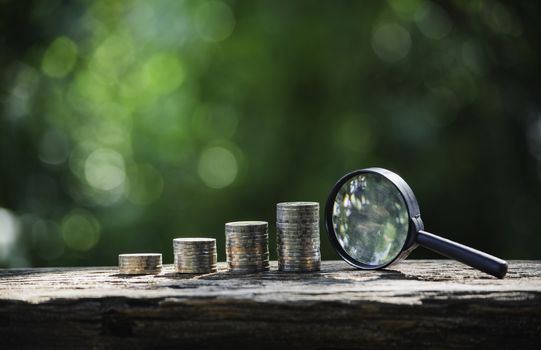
x=418, y=303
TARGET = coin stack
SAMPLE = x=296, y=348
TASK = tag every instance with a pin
x=247, y=246
x=140, y=264
x=195, y=255
x=297, y=236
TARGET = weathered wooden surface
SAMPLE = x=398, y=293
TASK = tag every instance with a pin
x=417, y=304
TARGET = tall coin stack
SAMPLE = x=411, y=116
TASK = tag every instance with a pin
x=297, y=237
x=195, y=255
x=140, y=264
x=247, y=246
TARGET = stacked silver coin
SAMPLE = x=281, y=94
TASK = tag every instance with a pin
x=247, y=246
x=195, y=255
x=297, y=236
x=140, y=264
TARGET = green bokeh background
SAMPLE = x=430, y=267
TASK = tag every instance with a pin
x=124, y=124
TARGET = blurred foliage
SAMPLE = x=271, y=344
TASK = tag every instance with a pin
x=124, y=124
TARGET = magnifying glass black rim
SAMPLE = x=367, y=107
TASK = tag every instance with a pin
x=415, y=224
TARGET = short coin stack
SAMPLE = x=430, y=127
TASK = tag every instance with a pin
x=297, y=236
x=195, y=255
x=140, y=264
x=247, y=246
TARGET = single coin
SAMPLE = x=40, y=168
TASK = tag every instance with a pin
x=241, y=251
x=298, y=226
x=287, y=205
x=139, y=266
x=246, y=236
x=298, y=263
x=297, y=238
x=202, y=249
x=298, y=257
x=240, y=228
x=307, y=258
x=292, y=248
x=196, y=261
x=201, y=264
x=140, y=259
x=126, y=270
x=244, y=258
x=194, y=240
x=298, y=244
x=263, y=263
x=248, y=260
x=247, y=224
x=296, y=213
x=195, y=255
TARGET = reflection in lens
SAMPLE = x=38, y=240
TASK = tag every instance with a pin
x=370, y=219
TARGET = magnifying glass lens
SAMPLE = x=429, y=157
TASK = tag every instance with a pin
x=370, y=219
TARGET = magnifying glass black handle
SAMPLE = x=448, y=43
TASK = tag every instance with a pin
x=472, y=257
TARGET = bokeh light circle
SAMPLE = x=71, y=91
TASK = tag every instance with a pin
x=80, y=230
x=104, y=169
x=214, y=21
x=391, y=42
x=217, y=167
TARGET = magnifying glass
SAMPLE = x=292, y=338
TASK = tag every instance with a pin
x=373, y=221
